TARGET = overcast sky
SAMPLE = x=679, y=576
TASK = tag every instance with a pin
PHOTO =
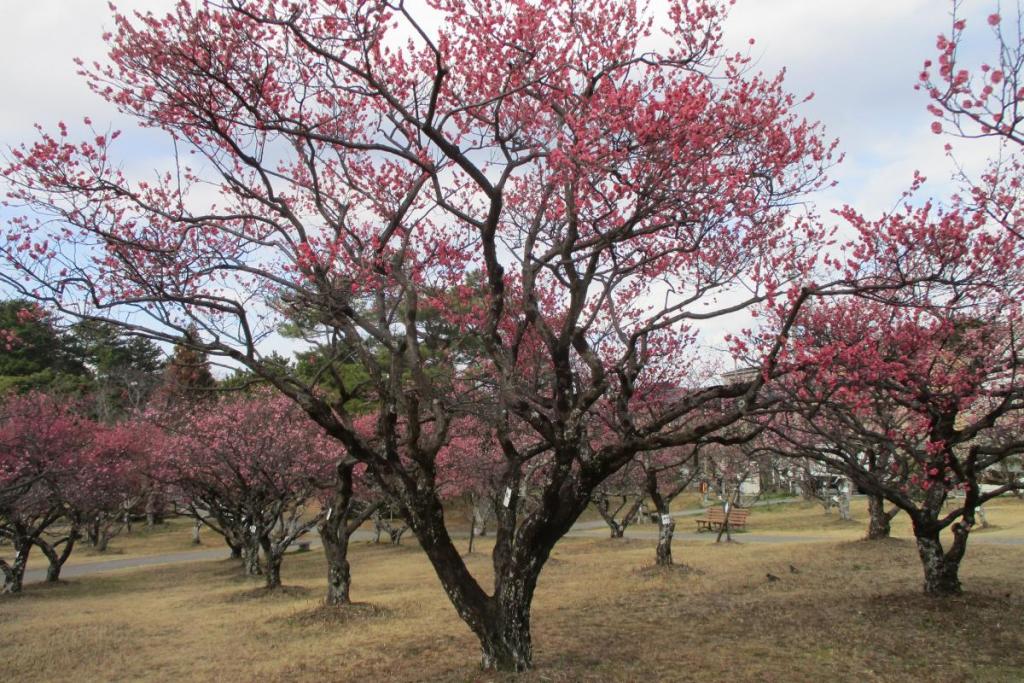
x=860, y=58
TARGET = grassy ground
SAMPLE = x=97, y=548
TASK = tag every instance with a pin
x=851, y=611
x=1005, y=517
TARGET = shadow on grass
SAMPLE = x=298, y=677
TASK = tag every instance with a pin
x=263, y=593
x=678, y=570
x=335, y=615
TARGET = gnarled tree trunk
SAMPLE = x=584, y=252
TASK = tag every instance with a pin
x=339, y=574
x=57, y=559
x=879, y=519
x=617, y=526
x=941, y=568
x=940, y=573
x=251, y=557
x=501, y=621
x=272, y=558
x=663, y=553
x=336, y=528
x=505, y=637
x=14, y=573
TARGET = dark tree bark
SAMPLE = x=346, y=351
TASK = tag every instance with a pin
x=343, y=518
x=55, y=557
x=941, y=571
x=382, y=524
x=666, y=530
x=662, y=499
x=101, y=529
x=500, y=620
x=879, y=519
x=339, y=574
x=251, y=557
x=941, y=568
x=396, y=532
x=663, y=553
x=618, y=526
x=271, y=564
x=14, y=573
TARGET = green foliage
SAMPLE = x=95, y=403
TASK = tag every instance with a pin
x=36, y=355
x=243, y=379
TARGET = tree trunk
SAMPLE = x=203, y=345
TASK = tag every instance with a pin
x=251, y=559
x=480, y=518
x=154, y=506
x=396, y=534
x=339, y=573
x=196, y=540
x=343, y=518
x=14, y=574
x=505, y=639
x=334, y=533
x=272, y=572
x=878, y=519
x=102, y=539
x=726, y=529
x=844, y=501
x=272, y=556
x=940, y=571
x=378, y=527
x=663, y=553
x=56, y=560
x=615, y=526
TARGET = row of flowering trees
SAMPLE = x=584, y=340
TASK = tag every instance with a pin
x=64, y=476
x=251, y=467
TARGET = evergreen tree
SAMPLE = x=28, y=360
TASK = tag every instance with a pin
x=35, y=354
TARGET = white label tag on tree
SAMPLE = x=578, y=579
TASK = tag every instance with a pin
x=330, y=511
x=666, y=520
x=508, y=496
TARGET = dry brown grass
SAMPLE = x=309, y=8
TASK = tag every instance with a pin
x=1005, y=516
x=852, y=611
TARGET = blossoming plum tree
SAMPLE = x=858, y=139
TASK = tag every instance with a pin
x=252, y=464
x=913, y=405
x=41, y=441
x=587, y=181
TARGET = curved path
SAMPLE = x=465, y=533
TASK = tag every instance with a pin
x=579, y=530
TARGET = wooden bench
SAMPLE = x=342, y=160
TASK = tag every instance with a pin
x=714, y=518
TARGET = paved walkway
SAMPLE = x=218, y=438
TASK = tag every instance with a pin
x=579, y=530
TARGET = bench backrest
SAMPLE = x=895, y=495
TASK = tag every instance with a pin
x=738, y=515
